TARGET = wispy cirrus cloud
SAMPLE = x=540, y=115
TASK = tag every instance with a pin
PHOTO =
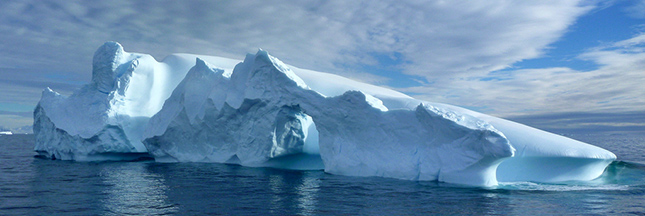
x=637, y=9
x=586, y=122
x=435, y=38
x=616, y=86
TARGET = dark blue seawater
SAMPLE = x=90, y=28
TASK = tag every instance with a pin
x=33, y=186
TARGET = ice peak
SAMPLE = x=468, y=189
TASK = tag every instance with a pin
x=200, y=63
x=106, y=60
x=201, y=66
x=48, y=90
x=203, y=71
x=264, y=58
x=204, y=66
x=49, y=93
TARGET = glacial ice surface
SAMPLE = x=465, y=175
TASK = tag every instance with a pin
x=262, y=112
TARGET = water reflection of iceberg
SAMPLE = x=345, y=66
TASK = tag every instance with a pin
x=307, y=193
x=135, y=191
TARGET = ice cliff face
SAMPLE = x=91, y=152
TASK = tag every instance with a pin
x=262, y=112
x=105, y=119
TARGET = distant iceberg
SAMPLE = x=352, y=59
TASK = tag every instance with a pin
x=262, y=112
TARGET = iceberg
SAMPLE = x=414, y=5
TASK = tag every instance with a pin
x=263, y=113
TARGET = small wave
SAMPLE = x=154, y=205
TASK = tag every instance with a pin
x=14, y=208
x=628, y=164
x=623, y=173
x=532, y=186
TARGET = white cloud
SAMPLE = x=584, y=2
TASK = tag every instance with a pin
x=616, y=86
x=637, y=9
x=436, y=38
x=23, y=88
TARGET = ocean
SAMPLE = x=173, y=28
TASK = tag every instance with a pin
x=35, y=186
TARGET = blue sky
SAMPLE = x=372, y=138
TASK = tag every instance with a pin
x=557, y=65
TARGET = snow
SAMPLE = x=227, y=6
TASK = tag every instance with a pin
x=263, y=112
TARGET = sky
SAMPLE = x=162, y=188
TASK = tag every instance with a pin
x=561, y=65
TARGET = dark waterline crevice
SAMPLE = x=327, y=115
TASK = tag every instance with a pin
x=107, y=157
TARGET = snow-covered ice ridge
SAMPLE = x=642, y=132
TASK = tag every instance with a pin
x=262, y=112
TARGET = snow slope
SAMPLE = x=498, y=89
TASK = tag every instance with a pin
x=262, y=112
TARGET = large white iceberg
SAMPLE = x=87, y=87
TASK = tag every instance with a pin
x=262, y=112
